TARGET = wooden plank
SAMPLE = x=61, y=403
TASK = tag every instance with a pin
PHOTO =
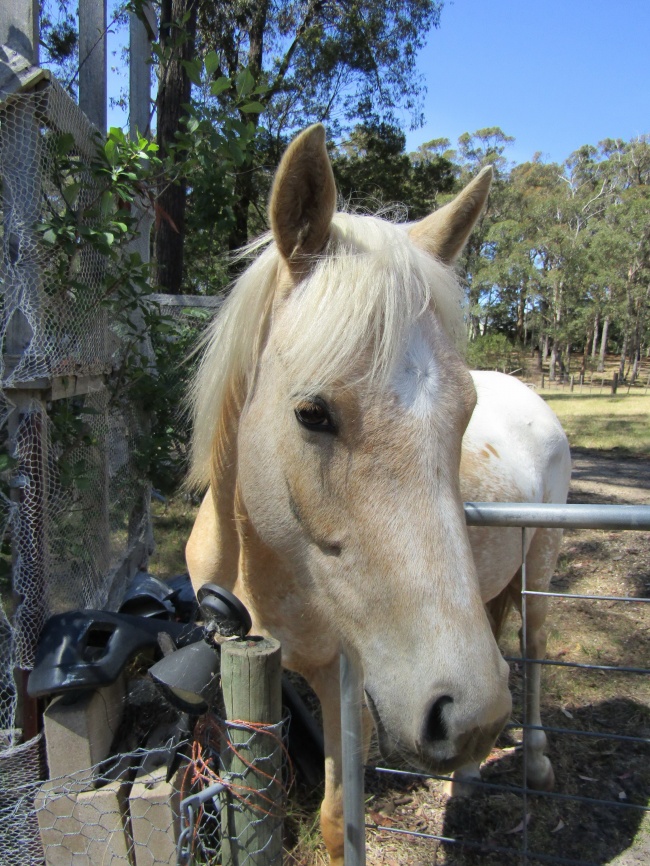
x=212, y=302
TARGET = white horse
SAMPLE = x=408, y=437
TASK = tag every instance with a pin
x=331, y=416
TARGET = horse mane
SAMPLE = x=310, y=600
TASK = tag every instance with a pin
x=362, y=295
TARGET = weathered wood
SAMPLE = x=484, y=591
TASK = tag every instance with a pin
x=251, y=681
x=19, y=27
x=140, y=36
x=92, y=61
x=614, y=383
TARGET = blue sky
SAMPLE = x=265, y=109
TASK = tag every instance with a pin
x=555, y=74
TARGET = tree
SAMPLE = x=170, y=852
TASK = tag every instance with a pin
x=175, y=51
x=373, y=171
x=336, y=61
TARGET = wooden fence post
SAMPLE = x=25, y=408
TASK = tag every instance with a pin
x=251, y=681
x=614, y=383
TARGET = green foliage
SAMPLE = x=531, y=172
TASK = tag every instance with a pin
x=492, y=352
x=98, y=212
x=373, y=171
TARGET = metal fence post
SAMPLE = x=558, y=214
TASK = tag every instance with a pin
x=352, y=759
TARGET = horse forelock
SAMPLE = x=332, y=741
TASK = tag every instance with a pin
x=360, y=298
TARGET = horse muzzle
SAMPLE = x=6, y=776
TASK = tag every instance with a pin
x=445, y=741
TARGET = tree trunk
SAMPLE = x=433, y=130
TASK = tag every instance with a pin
x=603, y=345
x=594, y=345
x=174, y=92
x=552, y=362
x=520, y=315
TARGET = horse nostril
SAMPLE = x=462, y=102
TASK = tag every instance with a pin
x=435, y=728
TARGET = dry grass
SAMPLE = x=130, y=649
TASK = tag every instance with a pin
x=605, y=422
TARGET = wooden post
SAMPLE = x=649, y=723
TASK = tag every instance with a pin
x=542, y=381
x=19, y=28
x=251, y=681
x=614, y=382
x=92, y=62
x=571, y=382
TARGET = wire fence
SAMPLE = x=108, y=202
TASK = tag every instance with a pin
x=622, y=812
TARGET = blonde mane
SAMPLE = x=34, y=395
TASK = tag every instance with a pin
x=362, y=294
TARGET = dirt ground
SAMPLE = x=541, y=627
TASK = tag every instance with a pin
x=596, y=703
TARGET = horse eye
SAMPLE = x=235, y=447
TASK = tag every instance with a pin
x=314, y=415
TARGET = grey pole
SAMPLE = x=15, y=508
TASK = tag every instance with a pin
x=93, y=62
x=352, y=758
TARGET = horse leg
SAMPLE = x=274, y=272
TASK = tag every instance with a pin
x=540, y=562
x=463, y=781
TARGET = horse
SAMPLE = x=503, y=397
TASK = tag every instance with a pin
x=338, y=432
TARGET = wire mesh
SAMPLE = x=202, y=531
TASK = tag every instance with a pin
x=74, y=506
x=239, y=783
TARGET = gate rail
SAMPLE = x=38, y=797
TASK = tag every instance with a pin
x=501, y=514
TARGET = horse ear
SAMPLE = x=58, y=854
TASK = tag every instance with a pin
x=444, y=233
x=303, y=197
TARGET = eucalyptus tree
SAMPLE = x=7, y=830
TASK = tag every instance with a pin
x=623, y=244
x=374, y=172
x=337, y=61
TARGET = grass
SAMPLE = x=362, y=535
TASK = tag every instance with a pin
x=172, y=524
x=605, y=422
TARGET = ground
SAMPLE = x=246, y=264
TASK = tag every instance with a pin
x=594, y=767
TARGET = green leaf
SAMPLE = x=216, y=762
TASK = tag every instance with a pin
x=7, y=462
x=252, y=107
x=64, y=143
x=106, y=203
x=193, y=69
x=110, y=149
x=211, y=62
x=244, y=82
x=219, y=86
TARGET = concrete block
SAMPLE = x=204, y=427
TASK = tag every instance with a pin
x=155, y=817
x=84, y=828
x=79, y=733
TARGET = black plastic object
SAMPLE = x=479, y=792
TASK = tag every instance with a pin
x=222, y=611
x=86, y=649
x=148, y=596
x=183, y=597
x=189, y=676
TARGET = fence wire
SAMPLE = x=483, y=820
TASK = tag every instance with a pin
x=605, y=810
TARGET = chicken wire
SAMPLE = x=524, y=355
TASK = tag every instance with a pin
x=139, y=809
x=63, y=332
x=72, y=501
x=236, y=815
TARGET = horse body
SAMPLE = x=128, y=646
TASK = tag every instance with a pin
x=514, y=450
x=330, y=410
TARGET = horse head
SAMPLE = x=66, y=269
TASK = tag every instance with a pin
x=329, y=412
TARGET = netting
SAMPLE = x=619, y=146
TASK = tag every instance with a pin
x=74, y=506
x=238, y=776
x=46, y=327
x=140, y=809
